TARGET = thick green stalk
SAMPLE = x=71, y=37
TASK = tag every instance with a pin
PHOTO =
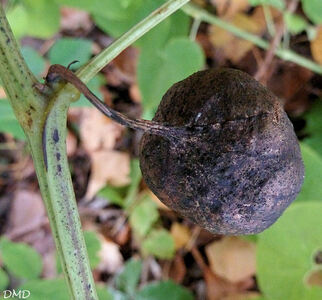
x=286, y=54
x=30, y=107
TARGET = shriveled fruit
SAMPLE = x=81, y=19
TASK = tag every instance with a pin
x=242, y=166
x=220, y=150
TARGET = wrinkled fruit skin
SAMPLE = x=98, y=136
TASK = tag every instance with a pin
x=242, y=172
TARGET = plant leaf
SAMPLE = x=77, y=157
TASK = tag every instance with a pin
x=143, y=216
x=158, y=71
x=312, y=188
x=93, y=246
x=8, y=121
x=313, y=9
x=164, y=290
x=20, y=259
x=128, y=279
x=285, y=253
x=4, y=279
x=159, y=243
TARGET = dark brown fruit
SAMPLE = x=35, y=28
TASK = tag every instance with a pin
x=241, y=166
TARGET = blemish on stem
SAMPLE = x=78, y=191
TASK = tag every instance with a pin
x=56, y=136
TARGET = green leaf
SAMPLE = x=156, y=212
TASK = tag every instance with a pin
x=159, y=71
x=38, y=18
x=49, y=289
x=285, y=253
x=312, y=187
x=20, y=259
x=8, y=121
x=314, y=127
x=279, y=4
x=93, y=246
x=295, y=23
x=103, y=293
x=128, y=279
x=66, y=50
x=112, y=194
x=159, y=243
x=143, y=216
x=164, y=290
x=135, y=175
x=4, y=279
x=313, y=9
x=174, y=26
x=34, y=60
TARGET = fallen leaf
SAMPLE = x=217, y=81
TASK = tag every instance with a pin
x=27, y=212
x=97, y=131
x=71, y=143
x=74, y=19
x=315, y=278
x=242, y=296
x=111, y=259
x=181, y=235
x=316, y=46
x=232, y=258
x=108, y=166
x=228, y=8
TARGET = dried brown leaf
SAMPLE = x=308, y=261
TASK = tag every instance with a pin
x=316, y=46
x=232, y=258
x=108, y=166
x=181, y=235
x=228, y=8
x=97, y=131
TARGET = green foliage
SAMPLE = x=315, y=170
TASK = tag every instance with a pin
x=159, y=243
x=103, y=293
x=114, y=195
x=49, y=289
x=115, y=25
x=38, y=18
x=164, y=290
x=128, y=279
x=143, y=216
x=4, y=279
x=66, y=50
x=34, y=60
x=21, y=260
x=285, y=253
x=93, y=246
x=312, y=188
x=295, y=23
x=314, y=127
x=313, y=9
x=8, y=121
x=158, y=71
x=279, y=4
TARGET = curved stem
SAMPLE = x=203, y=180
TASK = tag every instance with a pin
x=286, y=54
x=58, y=72
x=30, y=107
x=73, y=250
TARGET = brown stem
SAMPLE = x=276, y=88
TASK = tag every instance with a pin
x=58, y=72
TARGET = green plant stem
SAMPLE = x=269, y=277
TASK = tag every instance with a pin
x=286, y=54
x=30, y=107
x=73, y=250
x=101, y=60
